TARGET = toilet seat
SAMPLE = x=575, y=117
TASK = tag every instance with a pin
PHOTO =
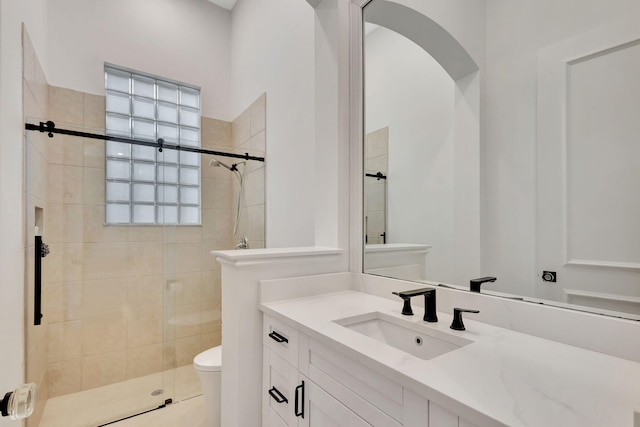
x=209, y=360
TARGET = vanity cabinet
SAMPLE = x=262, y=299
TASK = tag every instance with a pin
x=307, y=383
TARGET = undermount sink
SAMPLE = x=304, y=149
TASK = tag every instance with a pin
x=416, y=339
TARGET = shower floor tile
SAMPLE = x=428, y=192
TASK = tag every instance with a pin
x=91, y=408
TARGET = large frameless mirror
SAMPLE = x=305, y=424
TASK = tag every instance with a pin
x=500, y=140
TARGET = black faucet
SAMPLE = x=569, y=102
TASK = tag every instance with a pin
x=457, y=318
x=430, y=314
x=474, y=284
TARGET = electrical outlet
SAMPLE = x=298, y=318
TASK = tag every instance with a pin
x=549, y=276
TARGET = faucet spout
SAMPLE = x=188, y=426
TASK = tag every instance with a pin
x=430, y=314
x=474, y=284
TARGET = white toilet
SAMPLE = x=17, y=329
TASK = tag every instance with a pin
x=208, y=364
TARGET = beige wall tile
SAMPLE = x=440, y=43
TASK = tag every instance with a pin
x=94, y=184
x=211, y=285
x=73, y=223
x=187, y=321
x=104, y=260
x=65, y=106
x=31, y=109
x=187, y=257
x=217, y=224
x=254, y=188
x=144, y=328
x=72, y=150
x=64, y=341
x=72, y=185
x=94, y=229
x=37, y=362
x=377, y=143
x=146, y=234
x=218, y=194
x=144, y=293
x=187, y=233
x=103, y=334
x=145, y=360
x=53, y=264
x=94, y=156
x=64, y=377
x=93, y=112
x=211, y=339
x=215, y=133
x=62, y=301
x=72, y=262
x=187, y=349
x=256, y=222
x=40, y=89
x=103, y=297
x=241, y=128
x=209, y=262
x=211, y=316
x=144, y=259
x=54, y=223
x=55, y=190
x=104, y=369
x=186, y=288
x=259, y=115
x=258, y=143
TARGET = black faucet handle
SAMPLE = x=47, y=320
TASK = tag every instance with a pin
x=406, y=308
x=474, y=284
x=457, y=323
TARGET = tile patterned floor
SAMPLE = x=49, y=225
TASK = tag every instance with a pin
x=101, y=405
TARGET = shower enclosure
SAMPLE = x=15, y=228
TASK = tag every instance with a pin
x=125, y=308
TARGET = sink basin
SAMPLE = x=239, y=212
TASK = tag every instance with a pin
x=416, y=339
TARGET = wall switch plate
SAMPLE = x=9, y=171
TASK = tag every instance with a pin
x=549, y=276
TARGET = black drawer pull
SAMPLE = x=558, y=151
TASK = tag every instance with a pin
x=277, y=396
x=300, y=412
x=277, y=337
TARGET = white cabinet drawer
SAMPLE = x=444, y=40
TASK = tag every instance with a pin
x=281, y=338
x=279, y=382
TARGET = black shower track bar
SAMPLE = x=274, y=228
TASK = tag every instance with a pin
x=378, y=175
x=50, y=128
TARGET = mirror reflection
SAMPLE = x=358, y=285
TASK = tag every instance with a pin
x=501, y=140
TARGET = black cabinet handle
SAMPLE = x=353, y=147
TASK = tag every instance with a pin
x=277, y=396
x=277, y=337
x=299, y=408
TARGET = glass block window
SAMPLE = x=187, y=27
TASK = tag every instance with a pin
x=144, y=186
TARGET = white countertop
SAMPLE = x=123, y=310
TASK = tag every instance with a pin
x=513, y=378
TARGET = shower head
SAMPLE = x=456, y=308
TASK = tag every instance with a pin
x=216, y=163
x=232, y=168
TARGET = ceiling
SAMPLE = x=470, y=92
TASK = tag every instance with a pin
x=227, y=4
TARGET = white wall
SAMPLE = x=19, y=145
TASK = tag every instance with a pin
x=408, y=91
x=188, y=41
x=12, y=13
x=273, y=52
x=515, y=32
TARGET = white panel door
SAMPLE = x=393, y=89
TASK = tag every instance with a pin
x=588, y=176
x=440, y=417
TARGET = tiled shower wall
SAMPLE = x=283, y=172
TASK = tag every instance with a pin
x=248, y=134
x=376, y=160
x=127, y=301
x=35, y=105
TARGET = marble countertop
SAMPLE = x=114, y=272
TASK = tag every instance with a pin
x=510, y=377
